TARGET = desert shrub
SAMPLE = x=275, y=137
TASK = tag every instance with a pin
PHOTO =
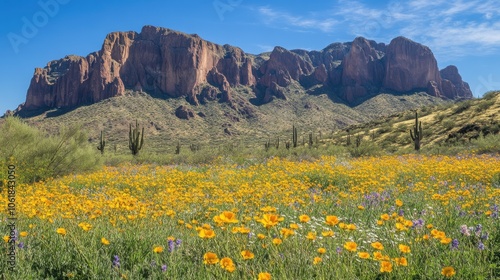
x=487, y=144
x=384, y=129
x=38, y=157
x=462, y=106
x=401, y=128
x=440, y=117
x=365, y=149
x=490, y=95
x=484, y=105
x=448, y=124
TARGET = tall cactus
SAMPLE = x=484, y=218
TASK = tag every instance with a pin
x=135, y=139
x=267, y=145
x=102, y=143
x=358, y=140
x=294, y=137
x=178, y=148
x=416, y=135
x=310, y=140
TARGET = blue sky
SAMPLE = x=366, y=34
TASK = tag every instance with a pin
x=463, y=33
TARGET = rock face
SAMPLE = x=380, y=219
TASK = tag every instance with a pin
x=453, y=86
x=174, y=64
x=156, y=60
x=409, y=66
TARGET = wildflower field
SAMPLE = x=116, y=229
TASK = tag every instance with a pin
x=391, y=217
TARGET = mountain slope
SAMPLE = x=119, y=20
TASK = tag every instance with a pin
x=216, y=123
x=443, y=125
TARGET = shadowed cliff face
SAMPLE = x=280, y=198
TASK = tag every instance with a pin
x=174, y=64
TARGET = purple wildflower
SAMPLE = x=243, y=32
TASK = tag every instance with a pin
x=178, y=242
x=478, y=230
x=339, y=250
x=464, y=230
x=20, y=245
x=481, y=246
x=116, y=261
x=485, y=236
x=418, y=223
x=454, y=244
x=401, y=213
x=171, y=246
x=163, y=268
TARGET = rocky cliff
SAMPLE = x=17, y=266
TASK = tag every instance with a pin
x=174, y=64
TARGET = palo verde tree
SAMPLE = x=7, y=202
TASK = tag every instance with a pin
x=416, y=135
x=135, y=139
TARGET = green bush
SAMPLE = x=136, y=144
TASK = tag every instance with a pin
x=490, y=95
x=365, y=149
x=484, y=105
x=38, y=157
x=462, y=106
x=487, y=144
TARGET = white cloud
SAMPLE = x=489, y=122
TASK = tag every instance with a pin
x=448, y=27
x=271, y=16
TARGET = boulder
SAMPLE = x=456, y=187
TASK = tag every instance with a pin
x=184, y=112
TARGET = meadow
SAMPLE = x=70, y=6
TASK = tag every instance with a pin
x=388, y=217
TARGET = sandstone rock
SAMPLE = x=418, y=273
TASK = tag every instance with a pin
x=282, y=67
x=409, y=66
x=456, y=87
x=433, y=89
x=363, y=70
x=175, y=64
x=183, y=112
x=157, y=59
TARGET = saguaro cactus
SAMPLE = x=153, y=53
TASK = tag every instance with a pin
x=358, y=140
x=416, y=135
x=178, y=148
x=135, y=139
x=294, y=136
x=267, y=145
x=102, y=143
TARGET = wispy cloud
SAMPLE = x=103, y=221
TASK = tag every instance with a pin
x=449, y=28
x=272, y=16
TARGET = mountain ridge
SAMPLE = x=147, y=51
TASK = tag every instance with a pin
x=173, y=64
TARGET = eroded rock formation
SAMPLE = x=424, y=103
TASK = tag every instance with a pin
x=174, y=64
